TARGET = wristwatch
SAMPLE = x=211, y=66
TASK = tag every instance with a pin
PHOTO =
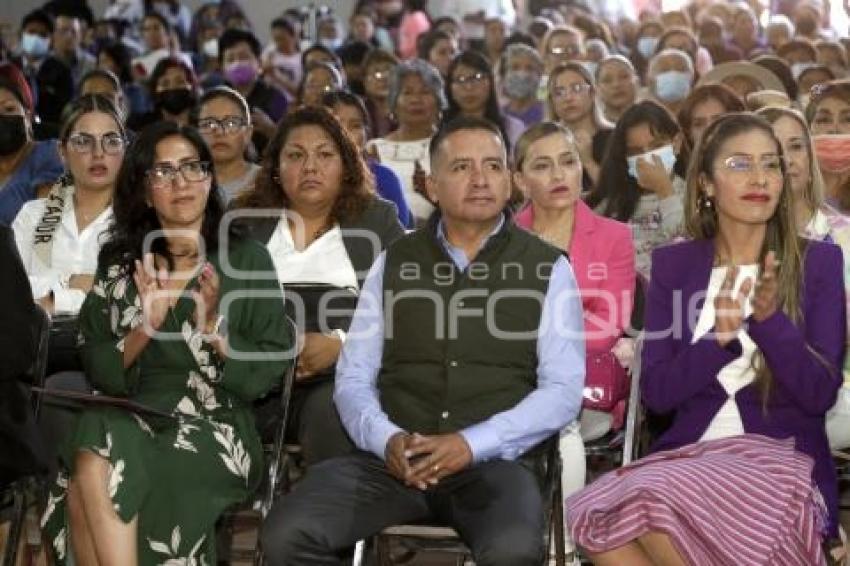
x=219, y=331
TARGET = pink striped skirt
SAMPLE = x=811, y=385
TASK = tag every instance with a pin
x=742, y=500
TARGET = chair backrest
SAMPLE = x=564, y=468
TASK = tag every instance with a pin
x=275, y=462
x=634, y=416
x=318, y=307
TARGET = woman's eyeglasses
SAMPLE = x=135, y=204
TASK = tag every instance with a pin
x=163, y=176
x=227, y=125
x=577, y=89
x=111, y=144
x=747, y=165
x=469, y=80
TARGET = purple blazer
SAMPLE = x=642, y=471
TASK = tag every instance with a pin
x=681, y=378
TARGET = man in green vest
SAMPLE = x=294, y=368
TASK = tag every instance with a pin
x=466, y=352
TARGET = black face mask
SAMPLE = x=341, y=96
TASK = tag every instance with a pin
x=175, y=101
x=13, y=134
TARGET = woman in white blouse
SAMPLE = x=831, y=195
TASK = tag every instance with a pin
x=314, y=207
x=58, y=236
x=416, y=100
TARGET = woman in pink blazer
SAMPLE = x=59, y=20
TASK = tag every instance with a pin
x=602, y=255
x=601, y=252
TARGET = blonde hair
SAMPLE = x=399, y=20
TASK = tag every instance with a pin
x=599, y=119
x=781, y=234
x=814, y=192
x=535, y=133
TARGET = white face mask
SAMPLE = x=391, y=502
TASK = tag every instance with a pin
x=210, y=48
x=666, y=153
x=35, y=45
x=332, y=43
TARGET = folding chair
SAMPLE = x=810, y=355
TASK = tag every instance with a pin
x=19, y=491
x=276, y=469
x=417, y=538
x=617, y=447
x=304, y=303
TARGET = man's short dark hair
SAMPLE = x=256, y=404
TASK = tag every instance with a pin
x=233, y=37
x=462, y=123
x=38, y=16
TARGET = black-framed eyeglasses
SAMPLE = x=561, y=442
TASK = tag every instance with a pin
x=163, y=176
x=228, y=125
x=471, y=80
x=112, y=143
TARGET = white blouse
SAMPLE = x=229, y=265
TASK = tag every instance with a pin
x=401, y=157
x=738, y=373
x=325, y=260
x=74, y=253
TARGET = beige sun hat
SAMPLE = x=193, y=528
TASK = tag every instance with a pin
x=759, y=74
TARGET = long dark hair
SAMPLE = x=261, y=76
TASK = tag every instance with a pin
x=616, y=188
x=357, y=187
x=134, y=219
x=476, y=61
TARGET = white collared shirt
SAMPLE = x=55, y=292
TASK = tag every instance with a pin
x=325, y=260
x=738, y=373
x=74, y=253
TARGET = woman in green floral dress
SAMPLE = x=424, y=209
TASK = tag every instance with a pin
x=188, y=325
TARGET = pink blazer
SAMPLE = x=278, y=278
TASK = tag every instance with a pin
x=602, y=256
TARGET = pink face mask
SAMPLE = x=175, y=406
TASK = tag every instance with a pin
x=833, y=152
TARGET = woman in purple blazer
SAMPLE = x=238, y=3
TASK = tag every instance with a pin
x=745, y=333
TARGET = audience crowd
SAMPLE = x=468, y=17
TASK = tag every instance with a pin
x=522, y=206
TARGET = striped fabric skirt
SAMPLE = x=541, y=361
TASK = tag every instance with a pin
x=742, y=500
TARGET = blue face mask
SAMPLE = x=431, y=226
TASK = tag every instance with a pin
x=332, y=43
x=35, y=45
x=665, y=153
x=672, y=86
x=646, y=46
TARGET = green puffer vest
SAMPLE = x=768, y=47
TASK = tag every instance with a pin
x=461, y=347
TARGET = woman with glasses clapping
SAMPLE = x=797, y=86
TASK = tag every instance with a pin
x=186, y=319
x=747, y=376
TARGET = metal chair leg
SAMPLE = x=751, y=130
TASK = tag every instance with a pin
x=16, y=527
x=558, y=525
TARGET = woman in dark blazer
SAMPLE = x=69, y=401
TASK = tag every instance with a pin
x=745, y=335
x=315, y=209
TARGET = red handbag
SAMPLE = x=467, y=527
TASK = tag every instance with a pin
x=606, y=382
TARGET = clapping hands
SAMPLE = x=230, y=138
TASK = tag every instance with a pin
x=729, y=306
x=152, y=286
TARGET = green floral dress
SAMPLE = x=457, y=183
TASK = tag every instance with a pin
x=178, y=474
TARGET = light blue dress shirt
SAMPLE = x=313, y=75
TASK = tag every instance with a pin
x=507, y=435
